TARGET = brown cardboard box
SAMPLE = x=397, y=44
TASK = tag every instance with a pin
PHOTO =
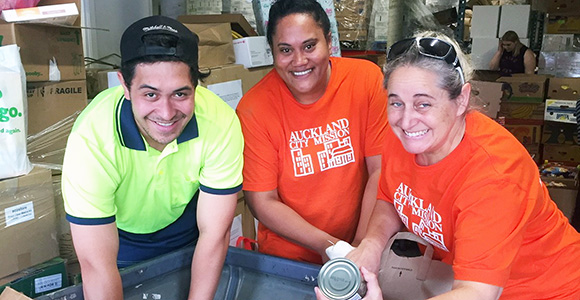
x=41, y=44
x=215, y=44
x=522, y=111
x=225, y=80
x=563, y=24
x=27, y=221
x=99, y=80
x=488, y=95
x=563, y=191
x=526, y=134
x=528, y=88
x=562, y=153
x=564, y=88
x=10, y=294
x=237, y=22
x=50, y=102
x=559, y=133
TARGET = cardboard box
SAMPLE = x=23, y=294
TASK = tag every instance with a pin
x=63, y=14
x=524, y=88
x=557, y=7
x=27, y=221
x=516, y=18
x=488, y=95
x=560, y=111
x=559, y=133
x=99, y=80
x=231, y=82
x=526, y=134
x=563, y=24
x=563, y=191
x=562, y=153
x=11, y=294
x=50, y=102
x=253, y=51
x=522, y=111
x=238, y=22
x=39, y=279
x=48, y=53
x=215, y=44
x=485, y=21
x=564, y=88
x=243, y=223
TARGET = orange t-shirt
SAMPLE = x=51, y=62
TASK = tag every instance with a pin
x=314, y=154
x=486, y=212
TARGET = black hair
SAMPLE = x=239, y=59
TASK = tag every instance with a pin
x=283, y=8
x=163, y=40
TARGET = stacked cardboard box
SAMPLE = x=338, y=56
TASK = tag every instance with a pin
x=352, y=18
x=560, y=53
x=27, y=221
x=559, y=135
x=55, y=72
x=522, y=107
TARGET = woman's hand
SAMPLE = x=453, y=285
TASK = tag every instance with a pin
x=373, y=289
x=367, y=255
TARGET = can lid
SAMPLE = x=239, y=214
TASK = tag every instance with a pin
x=339, y=279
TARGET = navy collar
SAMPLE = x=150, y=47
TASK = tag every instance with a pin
x=129, y=134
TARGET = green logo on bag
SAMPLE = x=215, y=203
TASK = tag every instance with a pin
x=0, y=94
x=9, y=112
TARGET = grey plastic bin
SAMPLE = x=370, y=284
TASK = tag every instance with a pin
x=246, y=275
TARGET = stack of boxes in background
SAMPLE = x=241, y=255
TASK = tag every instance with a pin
x=352, y=18
x=560, y=57
x=51, y=51
x=489, y=23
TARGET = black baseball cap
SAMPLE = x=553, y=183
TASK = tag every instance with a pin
x=132, y=45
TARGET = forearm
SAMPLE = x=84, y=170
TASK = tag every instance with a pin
x=469, y=290
x=101, y=284
x=384, y=223
x=286, y=222
x=494, y=63
x=206, y=267
x=368, y=203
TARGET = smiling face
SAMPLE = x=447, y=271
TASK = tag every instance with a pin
x=422, y=116
x=301, y=56
x=162, y=99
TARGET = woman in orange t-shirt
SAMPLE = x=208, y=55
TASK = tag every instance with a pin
x=464, y=184
x=313, y=130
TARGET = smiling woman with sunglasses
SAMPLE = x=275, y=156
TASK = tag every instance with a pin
x=459, y=180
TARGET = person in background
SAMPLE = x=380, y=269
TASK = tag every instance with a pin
x=153, y=165
x=512, y=56
x=466, y=185
x=313, y=129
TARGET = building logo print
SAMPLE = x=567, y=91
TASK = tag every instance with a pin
x=430, y=226
x=337, y=148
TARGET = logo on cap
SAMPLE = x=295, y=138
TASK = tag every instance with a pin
x=159, y=27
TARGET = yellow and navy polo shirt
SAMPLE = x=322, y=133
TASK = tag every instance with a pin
x=110, y=174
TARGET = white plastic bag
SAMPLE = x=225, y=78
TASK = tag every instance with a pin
x=13, y=114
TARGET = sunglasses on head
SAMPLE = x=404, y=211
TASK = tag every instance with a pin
x=428, y=47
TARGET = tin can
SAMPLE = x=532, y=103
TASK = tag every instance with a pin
x=340, y=279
